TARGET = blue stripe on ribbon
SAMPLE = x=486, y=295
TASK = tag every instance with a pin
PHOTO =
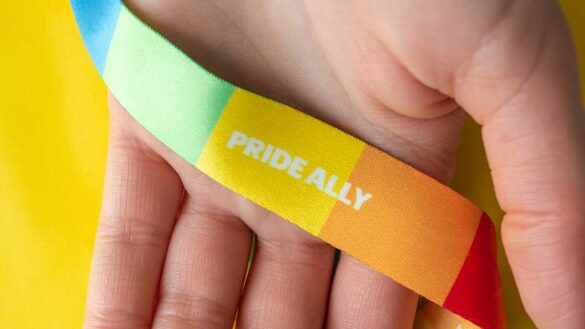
x=97, y=20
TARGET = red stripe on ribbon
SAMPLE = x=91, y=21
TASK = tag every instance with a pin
x=477, y=294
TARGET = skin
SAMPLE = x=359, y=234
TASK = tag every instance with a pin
x=172, y=245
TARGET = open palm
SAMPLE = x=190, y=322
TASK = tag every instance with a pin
x=173, y=245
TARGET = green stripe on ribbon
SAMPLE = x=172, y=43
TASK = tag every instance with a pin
x=175, y=97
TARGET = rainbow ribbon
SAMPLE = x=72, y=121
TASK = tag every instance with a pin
x=364, y=202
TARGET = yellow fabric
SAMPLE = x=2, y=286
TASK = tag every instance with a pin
x=53, y=131
x=241, y=173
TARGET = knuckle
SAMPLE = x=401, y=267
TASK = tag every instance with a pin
x=130, y=231
x=308, y=253
x=179, y=309
x=111, y=317
x=204, y=214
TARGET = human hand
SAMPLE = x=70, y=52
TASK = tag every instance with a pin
x=392, y=73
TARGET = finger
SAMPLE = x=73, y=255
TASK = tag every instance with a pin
x=204, y=270
x=141, y=197
x=364, y=298
x=288, y=283
x=523, y=88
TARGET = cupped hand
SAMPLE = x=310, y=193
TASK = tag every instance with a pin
x=172, y=246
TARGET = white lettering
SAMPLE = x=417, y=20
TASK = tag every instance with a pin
x=330, y=185
x=295, y=167
x=267, y=153
x=280, y=159
x=254, y=147
x=317, y=177
x=237, y=138
x=343, y=193
x=360, y=198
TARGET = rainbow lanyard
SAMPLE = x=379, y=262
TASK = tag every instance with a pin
x=364, y=202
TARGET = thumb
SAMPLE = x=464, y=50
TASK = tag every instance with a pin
x=522, y=86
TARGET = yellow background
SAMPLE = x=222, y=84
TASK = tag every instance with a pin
x=53, y=131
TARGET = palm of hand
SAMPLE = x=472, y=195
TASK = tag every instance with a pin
x=368, y=68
